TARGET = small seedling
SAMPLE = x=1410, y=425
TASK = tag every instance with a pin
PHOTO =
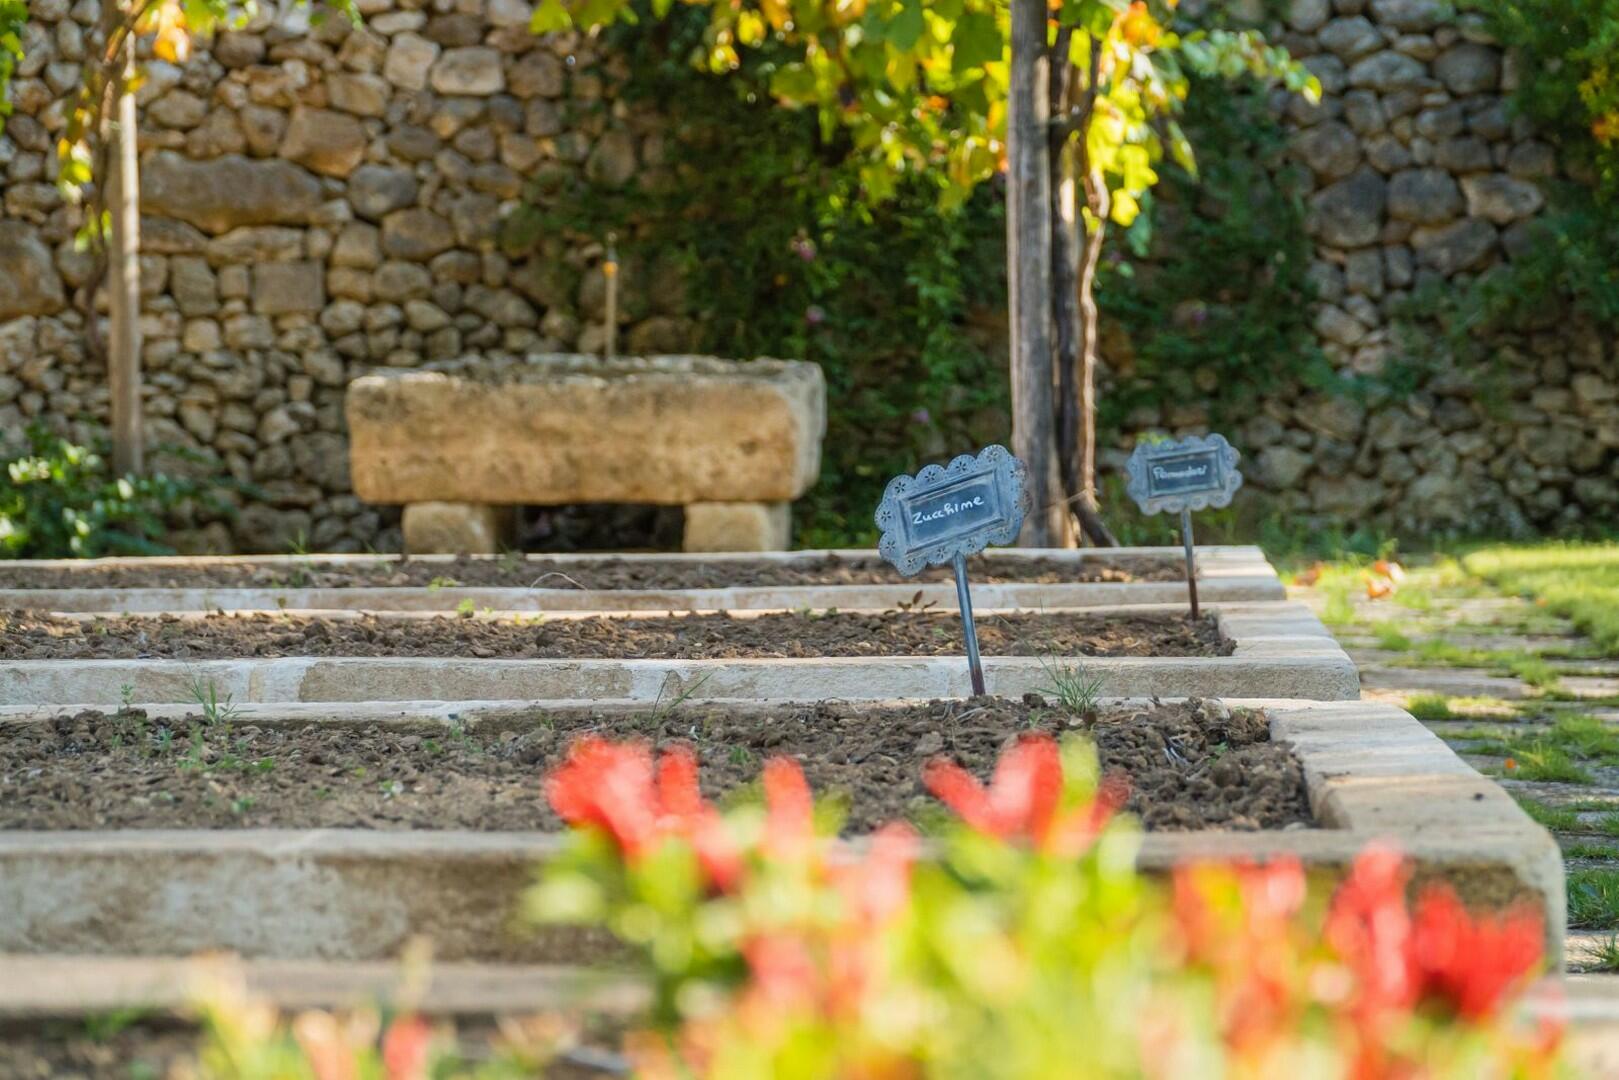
x=1071, y=684
x=466, y=608
x=915, y=603
x=215, y=710
x=126, y=697
x=660, y=711
x=242, y=805
x=441, y=583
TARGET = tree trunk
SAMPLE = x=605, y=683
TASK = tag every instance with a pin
x=1028, y=263
x=124, y=282
x=1096, y=199
x=1075, y=376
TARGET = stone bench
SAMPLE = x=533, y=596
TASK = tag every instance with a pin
x=461, y=443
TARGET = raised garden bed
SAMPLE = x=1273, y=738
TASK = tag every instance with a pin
x=770, y=635
x=1190, y=764
x=1278, y=650
x=818, y=579
x=1370, y=772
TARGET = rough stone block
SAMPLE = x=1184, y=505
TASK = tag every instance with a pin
x=670, y=430
x=450, y=528
x=737, y=526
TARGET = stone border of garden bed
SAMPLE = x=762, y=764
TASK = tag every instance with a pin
x=1281, y=650
x=1224, y=574
x=1373, y=772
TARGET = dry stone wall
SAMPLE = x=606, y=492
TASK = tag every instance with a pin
x=1419, y=177
x=321, y=201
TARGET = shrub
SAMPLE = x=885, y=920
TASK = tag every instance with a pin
x=1029, y=947
x=59, y=500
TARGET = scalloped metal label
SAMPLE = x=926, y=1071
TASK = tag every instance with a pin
x=950, y=510
x=1194, y=473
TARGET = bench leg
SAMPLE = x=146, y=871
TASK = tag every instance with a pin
x=453, y=528
x=737, y=526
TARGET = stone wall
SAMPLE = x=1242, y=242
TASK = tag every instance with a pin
x=1419, y=177
x=320, y=201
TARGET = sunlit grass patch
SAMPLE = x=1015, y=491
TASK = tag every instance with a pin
x=1604, y=958
x=1593, y=899
x=1591, y=852
x=1390, y=636
x=1576, y=580
x=1429, y=707
x=1555, y=818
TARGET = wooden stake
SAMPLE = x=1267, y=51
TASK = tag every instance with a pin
x=1028, y=264
x=124, y=283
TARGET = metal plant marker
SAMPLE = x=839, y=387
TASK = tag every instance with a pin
x=947, y=512
x=1187, y=474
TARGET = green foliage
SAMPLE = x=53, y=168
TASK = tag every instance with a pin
x=1567, y=82
x=13, y=16
x=898, y=303
x=902, y=303
x=1213, y=293
x=1578, y=581
x=1563, y=262
x=58, y=500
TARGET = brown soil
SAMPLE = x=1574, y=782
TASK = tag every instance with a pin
x=1193, y=765
x=35, y=636
x=605, y=573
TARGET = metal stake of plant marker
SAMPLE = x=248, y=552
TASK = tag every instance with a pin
x=1191, y=564
x=964, y=600
x=1184, y=474
x=947, y=512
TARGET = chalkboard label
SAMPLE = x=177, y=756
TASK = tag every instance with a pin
x=1184, y=474
x=950, y=510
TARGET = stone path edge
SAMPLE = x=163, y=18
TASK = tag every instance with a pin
x=1374, y=774
x=1282, y=650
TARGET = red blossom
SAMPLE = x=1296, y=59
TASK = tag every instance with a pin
x=405, y=1049
x=616, y=788
x=1369, y=928
x=789, y=809
x=1472, y=962
x=1023, y=799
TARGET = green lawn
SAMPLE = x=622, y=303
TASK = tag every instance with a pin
x=1577, y=580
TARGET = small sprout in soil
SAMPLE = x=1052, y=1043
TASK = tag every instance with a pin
x=126, y=696
x=391, y=788
x=106, y=1026
x=660, y=711
x=242, y=805
x=466, y=608
x=441, y=583
x=915, y=603
x=1071, y=684
x=165, y=739
x=214, y=710
x=741, y=757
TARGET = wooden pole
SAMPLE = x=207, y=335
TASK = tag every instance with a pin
x=124, y=281
x=1028, y=264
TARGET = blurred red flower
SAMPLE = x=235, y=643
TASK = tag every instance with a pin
x=614, y=787
x=1472, y=963
x=1024, y=797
